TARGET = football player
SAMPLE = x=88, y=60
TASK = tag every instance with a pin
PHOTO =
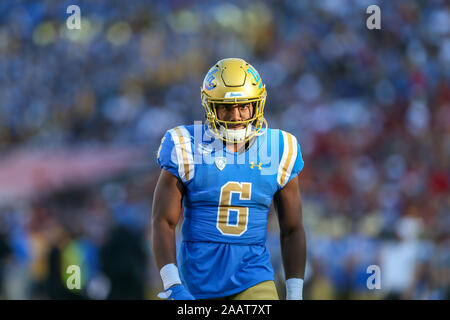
x=226, y=180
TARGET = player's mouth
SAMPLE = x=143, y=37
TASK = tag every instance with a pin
x=236, y=126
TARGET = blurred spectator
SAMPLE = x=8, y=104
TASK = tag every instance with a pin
x=124, y=263
x=399, y=257
x=5, y=252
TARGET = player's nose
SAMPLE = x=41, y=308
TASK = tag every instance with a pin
x=235, y=114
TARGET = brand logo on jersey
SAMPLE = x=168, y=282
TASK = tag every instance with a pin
x=252, y=164
x=203, y=148
x=220, y=162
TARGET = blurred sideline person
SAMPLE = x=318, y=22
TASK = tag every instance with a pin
x=227, y=199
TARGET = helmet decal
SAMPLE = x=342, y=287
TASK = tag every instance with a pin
x=255, y=75
x=209, y=79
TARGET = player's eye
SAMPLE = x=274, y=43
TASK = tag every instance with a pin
x=225, y=108
x=244, y=107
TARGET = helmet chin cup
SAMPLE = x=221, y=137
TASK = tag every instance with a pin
x=218, y=130
x=236, y=135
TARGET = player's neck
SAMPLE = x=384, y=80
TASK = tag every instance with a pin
x=236, y=147
x=239, y=147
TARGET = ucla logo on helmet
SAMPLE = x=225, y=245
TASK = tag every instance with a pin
x=255, y=75
x=209, y=79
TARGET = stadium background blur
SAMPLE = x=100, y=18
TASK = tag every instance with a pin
x=82, y=113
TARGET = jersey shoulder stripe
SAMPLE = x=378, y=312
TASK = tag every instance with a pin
x=288, y=158
x=182, y=142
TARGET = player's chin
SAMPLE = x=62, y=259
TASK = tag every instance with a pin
x=236, y=127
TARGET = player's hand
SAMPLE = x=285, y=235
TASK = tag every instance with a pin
x=176, y=292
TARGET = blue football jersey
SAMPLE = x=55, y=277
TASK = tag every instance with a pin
x=226, y=204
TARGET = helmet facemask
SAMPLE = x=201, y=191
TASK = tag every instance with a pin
x=221, y=128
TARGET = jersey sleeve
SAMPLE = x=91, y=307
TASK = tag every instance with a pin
x=175, y=154
x=291, y=162
x=165, y=156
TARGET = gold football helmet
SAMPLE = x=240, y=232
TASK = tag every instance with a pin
x=232, y=81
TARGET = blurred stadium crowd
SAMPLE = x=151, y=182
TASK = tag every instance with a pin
x=370, y=108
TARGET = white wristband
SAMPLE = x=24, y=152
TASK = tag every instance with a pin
x=169, y=275
x=294, y=289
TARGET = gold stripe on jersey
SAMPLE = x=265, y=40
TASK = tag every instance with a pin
x=288, y=158
x=183, y=148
